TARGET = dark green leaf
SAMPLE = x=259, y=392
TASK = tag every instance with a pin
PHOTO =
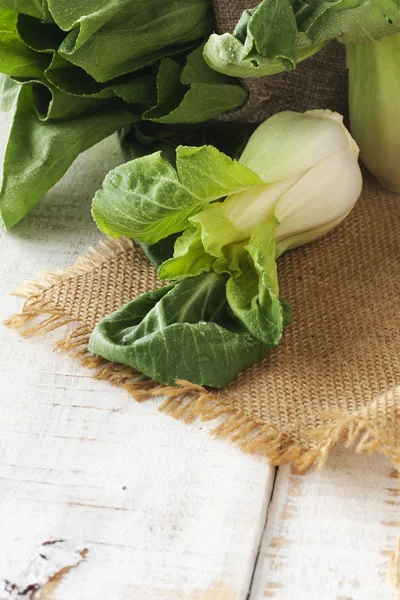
x=158, y=253
x=183, y=331
x=109, y=39
x=38, y=154
x=51, y=103
x=193, y=94
x=39, y=36
x=136, y=90
x=73, y=80
x=16, y=59
x=146, y=138
x=34, y=8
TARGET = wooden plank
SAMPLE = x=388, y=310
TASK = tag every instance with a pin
x=163, y=510
x=329, y=534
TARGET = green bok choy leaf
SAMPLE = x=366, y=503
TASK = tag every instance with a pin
x=278, y=34
x=297, y=178
x=93, y=68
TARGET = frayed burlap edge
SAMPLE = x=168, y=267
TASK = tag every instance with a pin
x=189, y=402
x=186, y=401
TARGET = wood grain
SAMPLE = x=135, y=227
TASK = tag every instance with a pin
x=163, y=510
x=329, y=534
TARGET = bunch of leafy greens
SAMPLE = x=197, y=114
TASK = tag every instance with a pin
x=278, y=34
x=75, y=72
x=297, y=178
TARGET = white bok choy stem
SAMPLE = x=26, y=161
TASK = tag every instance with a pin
x=297, y=178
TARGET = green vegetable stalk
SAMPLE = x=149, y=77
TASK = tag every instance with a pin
x=297, y=178
x=374, y=99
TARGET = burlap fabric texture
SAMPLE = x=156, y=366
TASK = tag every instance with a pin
x=334, y=377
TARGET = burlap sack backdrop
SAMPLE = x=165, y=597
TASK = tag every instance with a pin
x=336, y=374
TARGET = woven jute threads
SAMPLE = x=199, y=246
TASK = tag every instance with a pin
x=335, y=376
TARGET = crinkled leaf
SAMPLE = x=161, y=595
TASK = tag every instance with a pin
x=278, y=34
x=149, y=199
x=252, y=289
x=121, y=36
x=182, y=331
x=38, y=154
x=253, y=295
x=216, y=229
x=34, y=8
x=52, y=103
x=193, y=94
x=146, y=138
x=16, y=59
x=189, y=257
x=144, y=199
x=39, y=36
x=210, y=174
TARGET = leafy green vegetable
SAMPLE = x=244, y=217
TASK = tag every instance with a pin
x=122, y=36
x=38, y=154
x=85, y=59
x=35, y=8
x=209, y=93
x=278, y=34
x=287, y=200
x=159, y=252
x=182, y=331
x=149, y=199
x=38, y=35
x=146, y=138
x=16, y=59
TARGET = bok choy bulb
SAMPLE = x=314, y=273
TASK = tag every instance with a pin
x=309, y=165
x=374, y=98
x=297, y=178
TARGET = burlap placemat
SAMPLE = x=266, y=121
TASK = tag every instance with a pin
x=334, y=377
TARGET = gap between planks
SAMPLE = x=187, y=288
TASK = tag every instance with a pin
x=256, y=559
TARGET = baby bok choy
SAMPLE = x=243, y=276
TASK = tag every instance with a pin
x=276, y=35
x=298, y=177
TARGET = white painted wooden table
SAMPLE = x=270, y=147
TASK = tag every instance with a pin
x=163, y=511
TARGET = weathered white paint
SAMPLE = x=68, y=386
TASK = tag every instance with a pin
x=52, y=558
x=329, y=534
x=164, y=511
